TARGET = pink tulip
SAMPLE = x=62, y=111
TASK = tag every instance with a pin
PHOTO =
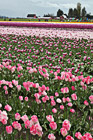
x=91, y=98
x=54, y=110
x=73, y=88
x=61, y=107
x=69, y=138
x=17, y=116
x=63, y=132
x=51, y=136
x=16, y=125
x=78, y=135
x=53, y=125
x=19, y=87
x=74, y=96
x=50, y=118
x=20, y=98
x=8, y=107
x=5, y=87
x=53, y=103
x=9, y=129
x=72, y=110
x=70, y=104
x=24, y=118
x=26, y=99
x=4, y=121
x=66, y=124
x=33, y=130
x=86, y=103
x=34, y=119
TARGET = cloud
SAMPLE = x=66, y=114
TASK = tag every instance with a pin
x=68, y=5
x=49, y=4
x=35, y=1
x=52, y=4
x=40, y=7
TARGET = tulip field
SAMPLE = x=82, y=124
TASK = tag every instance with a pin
x=87, y=25
x=46, y=84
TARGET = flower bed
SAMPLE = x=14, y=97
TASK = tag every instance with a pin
x=47, y=32
x=48, y=25
x=45, y=88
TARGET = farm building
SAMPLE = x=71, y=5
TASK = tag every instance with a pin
x=31, y=16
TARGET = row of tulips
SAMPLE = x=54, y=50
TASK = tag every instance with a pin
x=48, y=32
x=48, y=25
x=45, y=88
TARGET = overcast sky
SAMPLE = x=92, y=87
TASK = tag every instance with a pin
x=20, y=8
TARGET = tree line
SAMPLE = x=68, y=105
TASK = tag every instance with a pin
x=76, y=12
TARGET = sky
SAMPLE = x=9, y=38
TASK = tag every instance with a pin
x=20, y=8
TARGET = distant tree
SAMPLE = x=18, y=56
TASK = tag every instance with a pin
x=79, y=9
x=84, y=12
x=70, y=12
x=75, y=13
x=48, y=15
x=59, y=13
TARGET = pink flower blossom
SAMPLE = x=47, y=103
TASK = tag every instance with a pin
x=63, y=132
x=5, y=87
x=34, y=119
x=15, y=82
x=64, y=99
x=65, y=90
x=52, y=97
x=8, y=107
x=70, y=104
x=17, y=116
x=33, y=130
x=27, y=124
x=16, y=125
x=4, y=121
x=19, y=87
x=86, y=103
x=24, y=118
x=53, y=103
x=72, y=110
x=38, y=130
x=78, y=135
x=91, y=98
x=20, y=98
x=61, y=107
x=27, y=85
x=87, y=136
x=9, y=129
x=3, y=117
x=69, y=138
x=53, y=125
x=54, y=110
x=66, y=124
x=26, y=99
x=68, y=99
x=73, y=88
x=50, y=118
x=44, y=99
x=6, y=92
x=51, y=136
x=56, y=94
x=19, y=68
x=74, y=96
